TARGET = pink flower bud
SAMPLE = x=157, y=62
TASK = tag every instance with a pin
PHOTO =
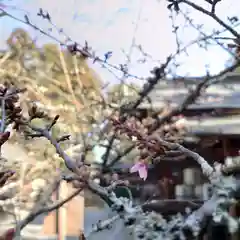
x=141, y=168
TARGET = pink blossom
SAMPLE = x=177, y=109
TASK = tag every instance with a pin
x=141, y=168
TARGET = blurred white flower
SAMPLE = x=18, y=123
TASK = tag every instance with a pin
x=134, y=139
x=99, y=151
x=97, y=180
x=181, y=123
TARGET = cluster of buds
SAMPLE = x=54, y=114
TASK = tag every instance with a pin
x=34, y=112
x=9, y=95
x=4, y=137
x=149, y=148
x=172, y=131
x=6, y=176
x=10, y=113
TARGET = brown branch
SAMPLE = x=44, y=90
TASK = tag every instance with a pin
x=214, y=4
x=159, y=73
x=37, y=210
x=181, y=107
x=3, y=117
x=193, y=96
x=70, y=164
x=108, y=150
x=61, y=203
x=41, y=210
x=213, y=16
x=73, y=48
x=175, y=147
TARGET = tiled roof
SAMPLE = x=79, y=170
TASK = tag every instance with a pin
x=225, y=94
x=215, y=126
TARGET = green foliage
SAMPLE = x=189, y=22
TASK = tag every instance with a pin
x=123, y=93
x=60, y=82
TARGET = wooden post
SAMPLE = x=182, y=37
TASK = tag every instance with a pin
x=57, y=213
x=75, y=214
x=71, y=215
x=63, y=211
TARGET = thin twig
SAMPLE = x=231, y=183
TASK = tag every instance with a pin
x=213, y=16
x=3, y=115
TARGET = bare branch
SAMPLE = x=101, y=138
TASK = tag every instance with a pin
x=212, y=15
x=41, y=209
x=188, y=101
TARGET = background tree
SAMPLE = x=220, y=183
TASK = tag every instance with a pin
x=56, y=80
x=119, y=93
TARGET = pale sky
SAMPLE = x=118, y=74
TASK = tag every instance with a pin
x=109, y=25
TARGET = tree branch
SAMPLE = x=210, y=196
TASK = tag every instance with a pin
x=213, y=16
x=40, y=209
x=181, y=107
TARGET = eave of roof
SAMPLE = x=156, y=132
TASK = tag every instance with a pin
x=223, y=94
x=215, y=126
